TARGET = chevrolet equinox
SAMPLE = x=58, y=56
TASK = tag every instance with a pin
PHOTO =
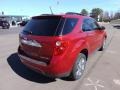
x=59, y=45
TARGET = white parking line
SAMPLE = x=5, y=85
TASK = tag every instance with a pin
x=95, y=84
x=116, y=81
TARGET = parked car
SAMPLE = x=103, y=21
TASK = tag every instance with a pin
x=23, y=23
x=4, y=24
x=59, y=45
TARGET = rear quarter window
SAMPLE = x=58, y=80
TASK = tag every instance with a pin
x=69, y=25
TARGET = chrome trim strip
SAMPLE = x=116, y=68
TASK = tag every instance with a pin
x=31, y=43
x=32, y=60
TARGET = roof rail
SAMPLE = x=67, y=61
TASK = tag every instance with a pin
x=74, y=13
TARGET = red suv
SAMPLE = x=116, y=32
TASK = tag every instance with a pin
x=59, y=45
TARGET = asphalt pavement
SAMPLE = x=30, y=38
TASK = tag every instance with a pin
x=12, y=30
x=102, y=71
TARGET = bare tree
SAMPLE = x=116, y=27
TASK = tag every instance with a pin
x=111, y=16
x=106, y=16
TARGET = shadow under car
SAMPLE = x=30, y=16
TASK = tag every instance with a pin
x=26, y=73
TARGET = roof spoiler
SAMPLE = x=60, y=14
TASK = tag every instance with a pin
x=74, y=13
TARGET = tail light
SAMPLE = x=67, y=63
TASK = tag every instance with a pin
x=60, y=47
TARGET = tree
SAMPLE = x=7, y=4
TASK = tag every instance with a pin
x=2, y=13
x=84, y=12
x=106, y=16
x=117, y=15
x=96, y=12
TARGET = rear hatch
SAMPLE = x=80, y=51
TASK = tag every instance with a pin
x=37, y=40
x=40, y=38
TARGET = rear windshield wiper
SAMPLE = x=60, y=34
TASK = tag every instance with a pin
x=28, y=32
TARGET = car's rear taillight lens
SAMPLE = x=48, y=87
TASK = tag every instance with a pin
x=60, y=47
x=30, y=42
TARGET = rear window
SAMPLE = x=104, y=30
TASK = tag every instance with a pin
x=43, y=26
x=50, y=26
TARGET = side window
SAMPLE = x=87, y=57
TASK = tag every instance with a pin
x=86, y=25
x=94, y=24
x=89, y=25
x=98, y=26
x=69, y=25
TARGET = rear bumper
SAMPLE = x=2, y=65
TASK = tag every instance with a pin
x=55, y=69
x=32, y=60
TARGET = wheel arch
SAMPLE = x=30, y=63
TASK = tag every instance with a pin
x=85, y=52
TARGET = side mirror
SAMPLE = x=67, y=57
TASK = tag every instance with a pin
x=102, y=28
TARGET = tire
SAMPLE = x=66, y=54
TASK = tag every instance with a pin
x=103, y=45
x=79, y=67
x=8, y=27
x=3, y=27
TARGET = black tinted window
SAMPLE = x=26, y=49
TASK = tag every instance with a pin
x=69, y=25
x=43, y=26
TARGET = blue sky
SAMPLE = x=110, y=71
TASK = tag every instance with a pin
x=36, y=7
